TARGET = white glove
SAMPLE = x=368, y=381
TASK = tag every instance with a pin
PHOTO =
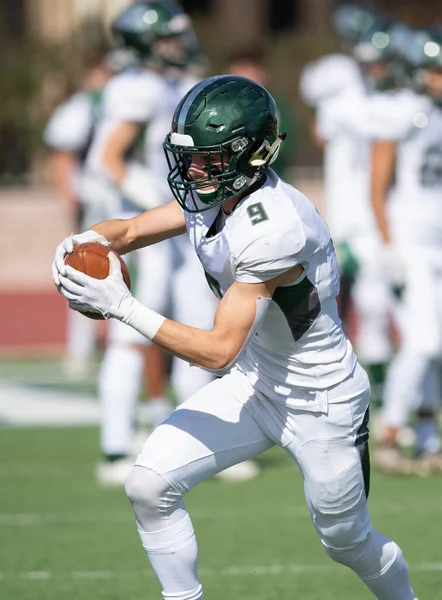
x=110, y=297
x=67, y=246
x=395, y=266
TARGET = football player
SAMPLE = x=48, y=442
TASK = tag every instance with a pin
x=407, y=187
x=127, y=154
x=289, y=376
x=336, y=85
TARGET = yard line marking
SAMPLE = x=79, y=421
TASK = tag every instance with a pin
x=38, y=519
x=233, y=571
x=93, y=574
x=37, y=575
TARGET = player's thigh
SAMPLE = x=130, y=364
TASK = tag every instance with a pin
x=154, y=273
x=420, y=311
x=371, y=291
x=208, y=433
x=332, y=452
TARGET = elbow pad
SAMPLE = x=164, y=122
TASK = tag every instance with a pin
x=262, y=305
x=141, y=187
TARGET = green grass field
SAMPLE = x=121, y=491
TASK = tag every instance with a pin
x=62, y=537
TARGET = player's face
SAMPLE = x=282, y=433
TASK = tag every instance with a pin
x=171, y=49
x=376, y=71
x=249, y=70
x=203, y=166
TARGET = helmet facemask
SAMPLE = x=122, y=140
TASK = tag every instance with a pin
x=230, y=169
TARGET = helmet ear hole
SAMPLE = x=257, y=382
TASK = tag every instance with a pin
x=267, y=152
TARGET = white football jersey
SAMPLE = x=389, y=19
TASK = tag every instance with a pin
x=415, y=201
x=348, y=123
x=145, y=97
x=71, y=124
x=346, y=169
x=300, y=342
x=72, y=128
x=329, y=84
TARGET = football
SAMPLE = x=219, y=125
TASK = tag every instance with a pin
x=92, y=258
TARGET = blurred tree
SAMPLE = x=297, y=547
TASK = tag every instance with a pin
x=35, y=75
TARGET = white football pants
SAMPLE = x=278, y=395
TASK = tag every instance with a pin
x=373, y=302
x=412, y=377
x=228, y=422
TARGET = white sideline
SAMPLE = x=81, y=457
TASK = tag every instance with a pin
x=233, y=571
x=22, y=405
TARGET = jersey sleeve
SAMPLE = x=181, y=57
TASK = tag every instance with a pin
x=271, y=252
x=131, y=98
x=70, y=125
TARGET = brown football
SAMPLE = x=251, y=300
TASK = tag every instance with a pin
x=91, y=258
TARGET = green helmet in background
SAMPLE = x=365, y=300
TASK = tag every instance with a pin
x=423, y=54
x=351, y=20
x=144, y=26
x=226, y=117
x=382, y=47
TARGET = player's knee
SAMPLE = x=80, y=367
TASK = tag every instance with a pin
x=370, y=557
x=149, y=493
x=342, y=531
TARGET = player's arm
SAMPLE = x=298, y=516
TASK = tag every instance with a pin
x=239, y=313
x=383, y=156
x=148, y=228
x=135, y=181
x=62, y=165
x=119, y=141
x=317, y=139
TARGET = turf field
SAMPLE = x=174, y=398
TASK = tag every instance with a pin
x=62, y=537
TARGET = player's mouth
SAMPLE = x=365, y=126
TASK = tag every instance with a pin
x=208, y=187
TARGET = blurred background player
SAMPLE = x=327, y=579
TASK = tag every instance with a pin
x=127, y=152
x=406, y=194
x=336, y=86
x=68, y=136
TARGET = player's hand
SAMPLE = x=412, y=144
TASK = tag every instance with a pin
x=67, y=246
x=395, y=267
x=109, y=297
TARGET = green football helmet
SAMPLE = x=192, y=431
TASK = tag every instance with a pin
x=423, y=54
x=351, y=20
x=231, y=120
x=143, y=26
x=379, y=52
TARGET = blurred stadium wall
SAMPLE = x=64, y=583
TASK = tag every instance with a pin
x=43, y=44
